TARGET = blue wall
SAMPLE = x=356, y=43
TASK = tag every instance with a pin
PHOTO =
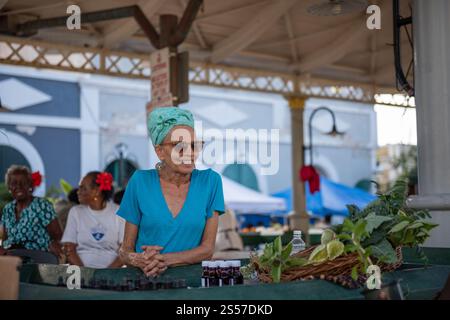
x=65, y=97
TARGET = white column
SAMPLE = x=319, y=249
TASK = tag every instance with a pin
x=431, y=25
x=90, y=131
x=300, y=219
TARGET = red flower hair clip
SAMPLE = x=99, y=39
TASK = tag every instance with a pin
x=36, y=177
x=104, y=180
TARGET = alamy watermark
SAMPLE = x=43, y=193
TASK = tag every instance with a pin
x=374, y=279
x=373, y=22
x=258, y=147
x=74, y=280
x=73, y=21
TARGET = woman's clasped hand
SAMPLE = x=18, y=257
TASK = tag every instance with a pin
x=150, y=260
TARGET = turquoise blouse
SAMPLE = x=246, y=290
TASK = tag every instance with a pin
x=144, y=205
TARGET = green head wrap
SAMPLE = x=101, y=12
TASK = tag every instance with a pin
x=162, y=120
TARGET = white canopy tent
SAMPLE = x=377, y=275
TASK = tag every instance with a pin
x=241, y=199
x=245, y=200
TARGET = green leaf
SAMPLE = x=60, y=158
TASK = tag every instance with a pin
x=384, y=252
x=268, y=253
x=408, y=237
x=276, y=274
x=286, y=251
x=319, y=254
x=348, y=225
x=415, y=225
x=399, y=226
x=355, y=273
x=374, y=221
x=421, y=234
x=277, y=246
x=376, y=236
x=65, y=186
x=344, y=236
x=296, y=262
x=360, y=229
x=428, y=226
x=350, y=247
x=335, y=248
x=327, y=236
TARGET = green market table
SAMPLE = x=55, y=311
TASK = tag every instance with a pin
x=418, y=282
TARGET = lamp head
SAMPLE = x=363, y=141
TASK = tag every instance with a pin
x=335, y=132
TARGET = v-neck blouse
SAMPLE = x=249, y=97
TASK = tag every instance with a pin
x=144, y=205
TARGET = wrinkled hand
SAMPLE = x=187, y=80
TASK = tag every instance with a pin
x=154, y=261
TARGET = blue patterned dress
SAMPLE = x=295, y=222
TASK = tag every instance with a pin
x=30, y=231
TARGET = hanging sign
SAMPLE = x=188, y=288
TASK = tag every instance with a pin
x=160, y=79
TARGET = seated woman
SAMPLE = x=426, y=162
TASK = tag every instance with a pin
x=172, y=212
x=29, y=222
x=93, y=231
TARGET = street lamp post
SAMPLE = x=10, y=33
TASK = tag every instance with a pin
x=334, y=131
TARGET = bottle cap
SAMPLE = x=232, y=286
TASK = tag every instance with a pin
x=223, y=264
x=236, y=263
x=213, y=264
x=297, y=232
x=205, y=264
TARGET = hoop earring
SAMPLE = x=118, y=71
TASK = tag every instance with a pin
x=160, y=165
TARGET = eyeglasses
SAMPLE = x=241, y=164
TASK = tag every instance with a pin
x=180, y=145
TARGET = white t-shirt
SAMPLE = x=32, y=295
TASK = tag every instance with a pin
x=98, y=234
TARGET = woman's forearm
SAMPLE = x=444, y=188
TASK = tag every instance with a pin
x=196, y=255
x=124, y=255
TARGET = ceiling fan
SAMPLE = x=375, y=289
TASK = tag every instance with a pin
x=337, y=7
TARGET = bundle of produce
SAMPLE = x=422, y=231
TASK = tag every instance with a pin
x=372, y=236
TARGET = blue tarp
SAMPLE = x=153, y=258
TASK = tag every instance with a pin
x=331, y=199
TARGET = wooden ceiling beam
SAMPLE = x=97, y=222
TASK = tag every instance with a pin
x=118, y=31
x=290, y=31
x=334, y=50
x=251, y=30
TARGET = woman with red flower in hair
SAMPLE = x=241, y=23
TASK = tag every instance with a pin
x=93, y=231
x=29, y=222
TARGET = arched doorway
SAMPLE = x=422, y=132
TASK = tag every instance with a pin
x=121, y=170
x=243, y=174
x=8, y=157
x=22, y=149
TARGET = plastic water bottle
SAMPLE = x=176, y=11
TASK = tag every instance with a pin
x=297, y=242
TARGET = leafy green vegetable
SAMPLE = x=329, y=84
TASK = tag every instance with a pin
x=374, y=221
x=372, y=233
x=276, y=259
x=384, y=252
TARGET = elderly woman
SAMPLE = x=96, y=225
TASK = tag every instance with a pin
x=172, y=211
x=28, y=222
x=94, y=232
